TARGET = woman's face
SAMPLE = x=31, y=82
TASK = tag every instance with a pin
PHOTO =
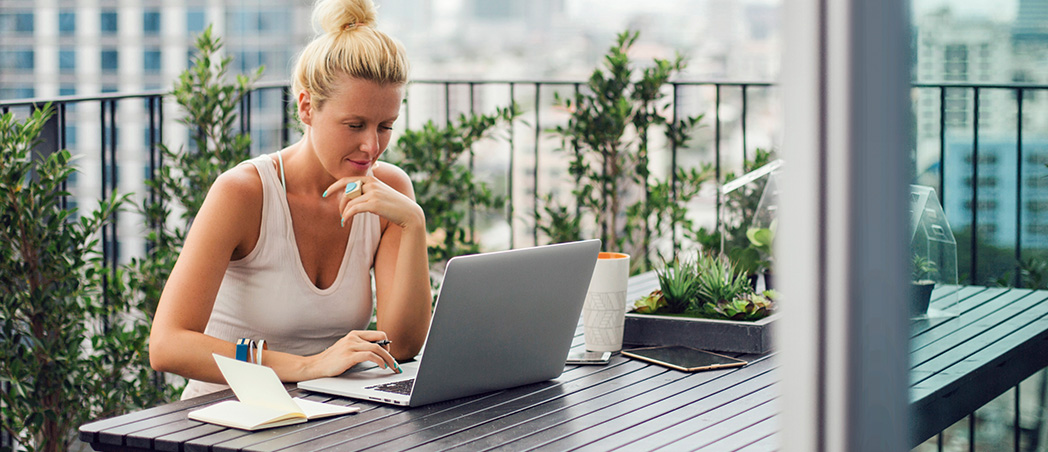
x=353, y=126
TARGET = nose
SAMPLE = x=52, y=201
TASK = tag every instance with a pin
x=370, y=143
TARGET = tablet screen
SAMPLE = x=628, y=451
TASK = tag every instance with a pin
x=684, y=358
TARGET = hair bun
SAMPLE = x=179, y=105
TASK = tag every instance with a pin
x=335, y=16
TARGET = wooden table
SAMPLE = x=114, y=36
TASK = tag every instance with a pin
x=959, y=363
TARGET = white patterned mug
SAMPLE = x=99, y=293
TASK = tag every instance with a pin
x=604, y=311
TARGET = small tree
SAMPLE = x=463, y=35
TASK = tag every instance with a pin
x=608, y=134
x=63, y=366
x=445, y=187
x=210, y=102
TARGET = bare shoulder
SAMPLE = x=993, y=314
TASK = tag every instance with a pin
x=242, y=183
x=395, y=177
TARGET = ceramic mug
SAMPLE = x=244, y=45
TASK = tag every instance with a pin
x=604, y=311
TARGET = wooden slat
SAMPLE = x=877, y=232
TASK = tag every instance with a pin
x=418, y=420
x=89, y=432
x=487, y=423
x=665, y=421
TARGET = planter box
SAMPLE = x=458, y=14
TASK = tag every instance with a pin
x=704, y=334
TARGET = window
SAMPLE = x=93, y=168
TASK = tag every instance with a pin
x=151, y=61
x=66, y=90
x=66, y=23
x=66, y=60
x=989, y=204
x=151, y=23
x=194, y=21
x=955, y=63
x=70, y=139
x=17, y=60
x=18, y=92
x=107, y=22
x=1037, y=229
x=110, y=61
x=988, y=182
x=273, y=21
x=109, y=89
x=16, y=23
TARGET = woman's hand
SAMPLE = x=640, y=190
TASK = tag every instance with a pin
x=379, y=199
x=354, y=348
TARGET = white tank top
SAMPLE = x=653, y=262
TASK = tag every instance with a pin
x=268, y=295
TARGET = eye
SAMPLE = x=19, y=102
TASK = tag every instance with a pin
x=355, y=126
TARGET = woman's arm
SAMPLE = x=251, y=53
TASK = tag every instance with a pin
x=226, y=228
x=404, y=302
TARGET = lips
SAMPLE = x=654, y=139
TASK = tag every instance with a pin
x=362, y=165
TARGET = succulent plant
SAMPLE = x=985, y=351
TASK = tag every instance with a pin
x=679, y=284
x=750, y=306
x=718, y=281
x=650, y=303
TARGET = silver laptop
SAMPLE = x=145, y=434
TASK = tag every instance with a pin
x=502, y=319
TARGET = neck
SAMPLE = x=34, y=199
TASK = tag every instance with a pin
x=302, y=170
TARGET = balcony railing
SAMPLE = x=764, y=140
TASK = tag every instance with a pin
x=741, y=116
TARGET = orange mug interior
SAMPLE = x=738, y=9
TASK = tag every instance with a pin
x=612, y=256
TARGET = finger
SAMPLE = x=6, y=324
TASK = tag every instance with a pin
x=369, y=335
x=336, y=187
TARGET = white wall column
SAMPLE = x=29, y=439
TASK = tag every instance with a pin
x=843, y=240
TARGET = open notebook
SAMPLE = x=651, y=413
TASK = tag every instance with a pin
x=263, y=401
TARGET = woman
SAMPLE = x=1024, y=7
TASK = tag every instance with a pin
x=278, y=253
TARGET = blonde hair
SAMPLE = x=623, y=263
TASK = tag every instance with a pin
x=347, y=43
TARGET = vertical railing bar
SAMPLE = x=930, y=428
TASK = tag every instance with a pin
x=509, y=178
x=285, y=118
x=447, y=103
x=113, y=184
x=247, y=99
x=153, y=195
x=575, y=150
x=940, y=441
x=744, y=110
x=407, y=107
x=535, y=170
x=64, y=201
x=160, y=139
x=1016, y=428
x=942, y=145
x=472, y=206
x=673, y=162
x=975, y=188
x=1018, y=188
x=716, y=150
x=105, y=227
x=971, y=432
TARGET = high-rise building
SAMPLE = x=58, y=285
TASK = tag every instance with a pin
x=51, y=48
x=964, y=50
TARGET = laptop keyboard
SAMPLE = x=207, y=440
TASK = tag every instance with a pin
x=397, y=387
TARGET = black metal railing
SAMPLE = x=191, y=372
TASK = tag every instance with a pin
x=686, y=98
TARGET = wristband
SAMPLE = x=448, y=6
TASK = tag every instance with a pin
x=261, y=346
x=243, y=349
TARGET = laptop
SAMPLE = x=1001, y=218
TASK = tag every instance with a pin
x=502, y=319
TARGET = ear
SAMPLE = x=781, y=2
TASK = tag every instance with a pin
x=305, y=108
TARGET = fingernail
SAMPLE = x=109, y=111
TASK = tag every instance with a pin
x=324, y=195
x=343, y=222
x=397, y=366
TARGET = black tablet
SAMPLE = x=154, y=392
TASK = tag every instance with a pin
x=683, y=358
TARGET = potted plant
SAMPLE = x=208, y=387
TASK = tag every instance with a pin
x=921, y=285
x=706, y=303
